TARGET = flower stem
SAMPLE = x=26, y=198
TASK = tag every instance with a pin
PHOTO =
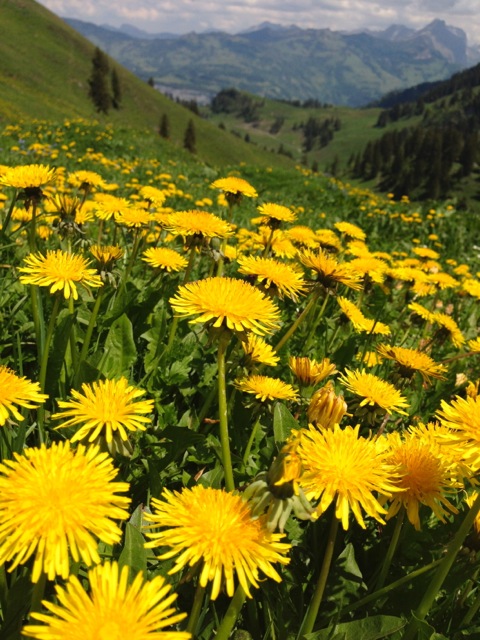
x=223, y=413
x=316, y=601
x=231, y=615
x=391, y=549
x=391, y=587
x=294, y=326
x=444, y=567
x=44, y=363
x=315, y=324
x=174, y=325
x=8, y=216
x=196, y=609
x=88, y=334
x=250, y=442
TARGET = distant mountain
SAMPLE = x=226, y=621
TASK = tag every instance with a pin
x=287, y=62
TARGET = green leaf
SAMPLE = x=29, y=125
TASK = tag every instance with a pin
x=134, y=554
x=372, y=628
x=283, y=423
x=120, y=349
x=18, y=603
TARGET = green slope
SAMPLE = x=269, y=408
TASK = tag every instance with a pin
x=44, y=71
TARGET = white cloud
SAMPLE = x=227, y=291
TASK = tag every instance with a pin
x=182, y=16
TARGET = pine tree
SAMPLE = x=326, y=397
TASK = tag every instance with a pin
x=164, y=128
x=98, y=83
x=189, y=139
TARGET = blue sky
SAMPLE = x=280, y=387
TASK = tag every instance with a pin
x=183, y=16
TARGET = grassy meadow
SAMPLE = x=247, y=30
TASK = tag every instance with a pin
x=238, y=402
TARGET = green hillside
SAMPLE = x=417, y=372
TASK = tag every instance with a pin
x=44, y=71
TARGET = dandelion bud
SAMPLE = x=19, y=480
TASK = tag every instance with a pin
x=326, y=408
x=285, y=471
x=309, y=372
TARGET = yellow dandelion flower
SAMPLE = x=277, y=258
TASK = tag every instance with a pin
x=226, y=301
x=103, y=408
x=359, y=321
x=113, y=609
x=164, y=258
x=133, y=217
x=411, y=361
x=274, y=274
x=304, y=236
x=30, y=176
x=462, y=416
x=107, y=206
x=426, y=477
x=57, y=502
x=425, y=253
x=308, y=371
x=421, y=312
x=350, y=230
x=276, y=212
x=235, y=186
x=474, y=345
x=449, y=327
x=105, y=255
x=266, y=388
x=216, y=527
x=373, y=391
x=59, y=270
x=328, y=240
x=153, y=195
x=472, y=287
x=198, y=223
x=257, y=350
x=281, y=246
x=84, y=179
x=374, y=268
x=15, y=390
x=329, y=271
x=341, y=466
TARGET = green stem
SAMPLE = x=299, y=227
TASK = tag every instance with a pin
x=173, y=328
x=294, y=326
x=231, y=615
x=48, y=340
x=315, y=324
x=222, y=411
x=44, y=363
x=391, y=548
x=73, y=342
x=438, y=579
x=310, y=618
x=133, y=255
x=6, y=222
x=196, y=609
x=32, y=240
x=3, y=588
x=89, y=332
x=38, y=319
x=376, y=595
x=250, y=442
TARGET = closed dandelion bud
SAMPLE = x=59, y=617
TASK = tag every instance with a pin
x=284, y=472
x=326, y=408
x=309, y=372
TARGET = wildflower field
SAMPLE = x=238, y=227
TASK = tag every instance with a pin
x=240, y=403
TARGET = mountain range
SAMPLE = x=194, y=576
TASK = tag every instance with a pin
x=289, y=62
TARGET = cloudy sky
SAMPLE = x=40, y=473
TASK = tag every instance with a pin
x=183, y=16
